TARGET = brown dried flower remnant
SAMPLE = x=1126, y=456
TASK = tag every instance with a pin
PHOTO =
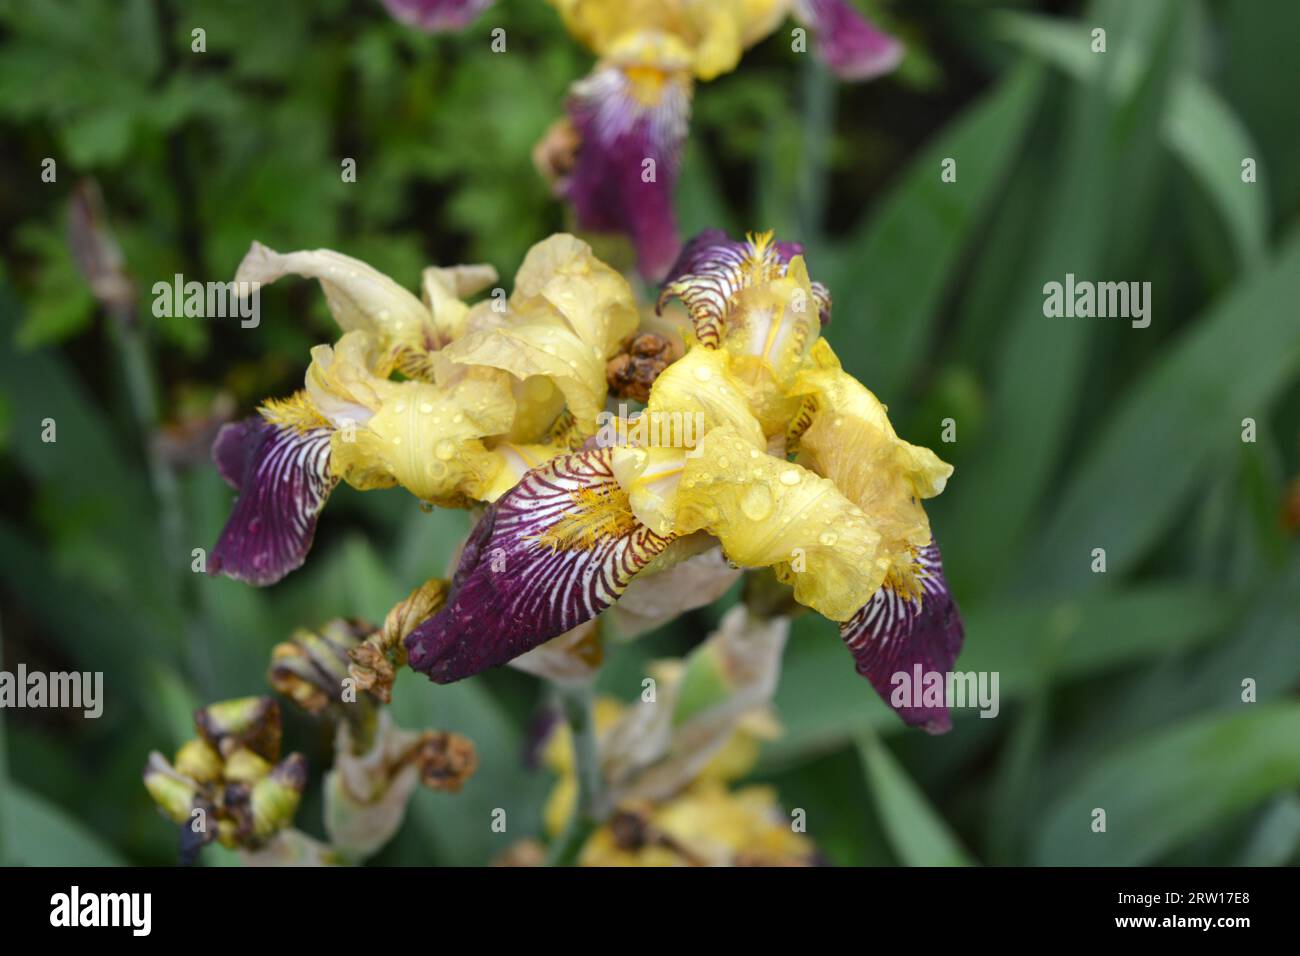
x=376, y=660
x=632, y=371
x=446, y=760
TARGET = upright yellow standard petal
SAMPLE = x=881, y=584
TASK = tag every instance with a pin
x=702, y=383
x=772, y=326
x=594, y=299
x=445, y=290
x=568, y=313
x=341, y=380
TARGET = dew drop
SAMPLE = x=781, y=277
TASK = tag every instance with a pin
x=756, y=503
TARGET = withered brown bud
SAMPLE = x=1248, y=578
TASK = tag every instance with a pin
x=631, y=829
x=374, y=663
x=639, y=362
x=556, y=153
x=446, y=760
x=252, y=722
x=310, y=667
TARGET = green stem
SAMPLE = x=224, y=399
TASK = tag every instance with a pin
x=818, y=133
x=590, y=809
x=142, y=395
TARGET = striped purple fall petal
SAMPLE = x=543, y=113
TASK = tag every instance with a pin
x=846, y=42
x=283, y=478
x=555, y=551
x=436, y=16
x=614, y=186
x=713, y=267
x=894, y=634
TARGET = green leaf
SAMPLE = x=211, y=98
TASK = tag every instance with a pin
x=38, y=833
x=1042, y=363
x=1169, y=786
x=1197, y=126
x=1183, y=415
x=823, y=702
x=890, y=276
x=918, y=835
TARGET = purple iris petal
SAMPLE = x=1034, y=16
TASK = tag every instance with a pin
x=846, y=42
x=555, y=551
x=283, y=479
x=628, y=160
x=897, y=635
x=436, y=16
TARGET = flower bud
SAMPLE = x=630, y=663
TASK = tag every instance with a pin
x=252, y=722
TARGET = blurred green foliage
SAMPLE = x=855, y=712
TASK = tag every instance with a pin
x=1119, y=690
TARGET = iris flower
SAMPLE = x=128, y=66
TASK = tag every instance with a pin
x=617, y=155
x=796, y=468
x=629, y=116
x=451, y=402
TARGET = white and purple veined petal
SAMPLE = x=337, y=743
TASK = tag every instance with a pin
x=894, y=634
x=846, y=42
x=553, y=552
x=628, y=160
x=713, y=267
x=283, y=477
x=436, y=16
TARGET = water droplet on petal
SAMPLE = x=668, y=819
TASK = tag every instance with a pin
x=756, y=503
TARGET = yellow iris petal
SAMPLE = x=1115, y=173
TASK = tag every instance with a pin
x=359, y=296
x=770, y=330
x=341, y=379
x=444, y=292
x=771, y=513
x=428, y=438
x=711, y=34
x=516, y=460
x=568, y=313
x=852, y=442
x=594, y=299
x=650, y=477
x=540, y=348
x=702, y=383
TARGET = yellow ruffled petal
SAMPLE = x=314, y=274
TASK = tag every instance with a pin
x=359, y=296
x=702, y=383
x=568, y=313
x=719, y=30
x=837, y=392
x=761, y=18
x=771, y=328
x=428, y=438
x=341, y=379
x=444, y=292
x=650, y=477
x=540, y=348
x=711, y=34
x=852, y=442
x=563, y=274
x=768, y=512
